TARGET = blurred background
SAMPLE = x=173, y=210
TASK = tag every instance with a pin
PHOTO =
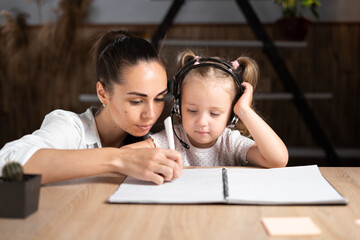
x=46, y=61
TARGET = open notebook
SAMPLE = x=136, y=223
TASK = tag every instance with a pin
x=278, y=186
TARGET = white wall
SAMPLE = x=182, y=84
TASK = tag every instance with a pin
x=193, y=11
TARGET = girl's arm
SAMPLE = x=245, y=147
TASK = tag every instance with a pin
x=268, y=150
x=156, y=165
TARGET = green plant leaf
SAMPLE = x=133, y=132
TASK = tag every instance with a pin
x=296, y=8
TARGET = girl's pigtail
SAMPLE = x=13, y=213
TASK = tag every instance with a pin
x=248, y=69
x=183, y=58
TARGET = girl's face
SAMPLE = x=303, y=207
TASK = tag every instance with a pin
x=205, y=110
x=135, y=105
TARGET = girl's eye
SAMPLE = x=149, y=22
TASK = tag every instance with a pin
x=191, y=111
x=214, y=114
x=135, y=102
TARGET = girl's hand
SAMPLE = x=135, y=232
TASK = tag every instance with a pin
x=245, y=100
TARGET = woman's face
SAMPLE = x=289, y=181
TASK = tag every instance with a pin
x=136, y=104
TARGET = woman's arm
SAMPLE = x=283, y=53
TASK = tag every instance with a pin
x=156, y=165
x=47, y=152
x=148, y=143
x=268, y=150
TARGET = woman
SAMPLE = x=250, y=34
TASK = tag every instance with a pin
x=131, y=86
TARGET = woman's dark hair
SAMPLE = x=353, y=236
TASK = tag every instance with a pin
x=115, y=50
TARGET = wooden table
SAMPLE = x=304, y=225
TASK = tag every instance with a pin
x=78, y=209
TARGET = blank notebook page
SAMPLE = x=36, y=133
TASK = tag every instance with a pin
x=193, y=186
x=289, y=185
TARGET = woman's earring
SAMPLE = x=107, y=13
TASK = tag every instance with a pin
x=104, y=105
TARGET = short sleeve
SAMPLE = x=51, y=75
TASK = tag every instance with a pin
x=160, y=139
x=239, y=145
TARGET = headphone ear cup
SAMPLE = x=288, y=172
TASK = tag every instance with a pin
x=234, y=120
x=176, y=108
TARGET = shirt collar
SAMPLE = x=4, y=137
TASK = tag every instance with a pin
x=92, y=138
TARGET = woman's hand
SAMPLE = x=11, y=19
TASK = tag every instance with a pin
x=155, y=165
x=245, y=99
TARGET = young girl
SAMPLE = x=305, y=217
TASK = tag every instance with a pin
x=131, y=85
x=209, y=91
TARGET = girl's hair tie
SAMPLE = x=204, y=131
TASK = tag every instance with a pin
x=235, y=64
x=196, y=58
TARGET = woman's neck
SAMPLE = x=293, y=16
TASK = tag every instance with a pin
x=110, y=134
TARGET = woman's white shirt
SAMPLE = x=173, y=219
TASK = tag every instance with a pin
x=60, y=130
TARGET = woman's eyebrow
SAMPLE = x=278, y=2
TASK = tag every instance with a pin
x=162, y=92
x=137, y=94
x=145, y=95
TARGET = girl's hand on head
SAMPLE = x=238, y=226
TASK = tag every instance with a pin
x=245, y=100
x=155, y=165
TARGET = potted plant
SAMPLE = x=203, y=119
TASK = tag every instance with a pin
x=19, y=193
x=293, y=26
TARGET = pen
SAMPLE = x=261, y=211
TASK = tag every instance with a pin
x=169, y=133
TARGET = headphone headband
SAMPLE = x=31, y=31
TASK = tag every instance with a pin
x=206, y=62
